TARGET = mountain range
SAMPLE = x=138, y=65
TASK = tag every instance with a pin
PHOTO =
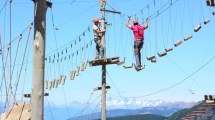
x=115, y=107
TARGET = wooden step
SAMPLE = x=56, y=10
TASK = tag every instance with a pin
x=154, y=60
x=47, y=84
x=57, y=82
x=206, y=21
x=127, y=67
x=113, y=60
x=50, y=85
x=197, y=28
x=77, y=71
x=162, y=54
x=168, y=49
x=188, y=37
x=150, y=57
x=121, y=62
x=178, y=43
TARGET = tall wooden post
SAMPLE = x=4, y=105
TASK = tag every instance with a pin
x=37, y=99
x=104, y=61
x=103, y=3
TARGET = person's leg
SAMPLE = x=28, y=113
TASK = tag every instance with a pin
x=97, y=49
x=140, y=45
x=101, y=50
x=136, y=52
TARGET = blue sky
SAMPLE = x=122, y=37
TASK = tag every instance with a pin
x=72, y=18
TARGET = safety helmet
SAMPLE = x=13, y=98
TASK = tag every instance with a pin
x=95, y=20
x=135, y=21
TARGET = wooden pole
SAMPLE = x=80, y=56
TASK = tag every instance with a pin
x=38, y=60
x=103, y=3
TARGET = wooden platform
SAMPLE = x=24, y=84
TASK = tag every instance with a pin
x=209, y=104
x=198, y=111
x=105, y=61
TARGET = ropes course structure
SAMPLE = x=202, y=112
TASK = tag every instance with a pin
x=169, y=29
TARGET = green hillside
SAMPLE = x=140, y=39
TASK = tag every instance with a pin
x=139, y=117
x=176, y=116
x=184, y=112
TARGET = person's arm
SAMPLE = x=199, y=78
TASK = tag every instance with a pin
x=127, y=23
x=147, y=24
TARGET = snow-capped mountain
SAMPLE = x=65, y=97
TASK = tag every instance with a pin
x=140, y=103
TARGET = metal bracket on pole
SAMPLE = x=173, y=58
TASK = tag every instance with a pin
x=111, y=11
x=29, y=95
x=99, y=88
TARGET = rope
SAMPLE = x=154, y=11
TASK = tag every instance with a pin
x=3, y=6
x=86, y=105
x=176, y=84
x=54, y=29
x=67, y=44
x=11, y=75
x=17, y=82
x=16, y=37
x=202, y=10
x=49, y=108
x=64, y=95
x=94, y=111
x=3, y=72
x=26, y=69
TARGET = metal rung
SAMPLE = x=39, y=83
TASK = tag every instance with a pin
x=154, y=60
x=150, y=57
x=121, y=62
x=47, y=84
x=168, y=49
x=178, y=43
x=162, y=54
x=77, y=71
x=208, y=2
x=206, y=21
x=197, y=28
x=188, y=37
